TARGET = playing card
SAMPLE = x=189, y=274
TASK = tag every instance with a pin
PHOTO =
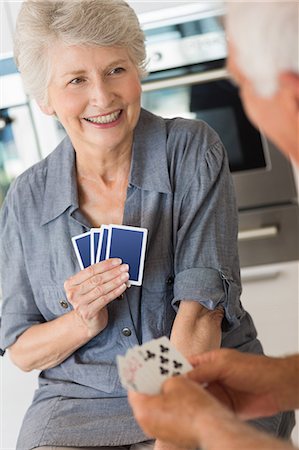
x=171, y=361
x=95, y=234
x=144, y=368
x=102, y=244
x=129, y=244
x=81, y=245
x=127, y=368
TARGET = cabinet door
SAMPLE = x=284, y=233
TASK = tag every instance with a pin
x=270, y=295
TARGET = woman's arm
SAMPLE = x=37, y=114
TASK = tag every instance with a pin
x=196, y=329
x=47, y=344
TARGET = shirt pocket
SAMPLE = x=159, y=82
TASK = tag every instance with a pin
x=159, y=276
x=157, y=295
x=52, y=301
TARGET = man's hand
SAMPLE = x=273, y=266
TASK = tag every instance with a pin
x=251, y=385
x=185, y=415
x=177, y=415
x=159, y=445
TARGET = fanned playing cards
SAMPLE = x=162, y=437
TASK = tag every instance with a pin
x=144, y=368
x=113, y=241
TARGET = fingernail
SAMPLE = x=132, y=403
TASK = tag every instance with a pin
x=116, y=261
x=128, y=284
x=124, y=268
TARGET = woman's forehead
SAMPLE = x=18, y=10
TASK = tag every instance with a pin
x=65, y=58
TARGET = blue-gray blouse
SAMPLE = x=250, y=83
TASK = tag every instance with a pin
x=181, y=190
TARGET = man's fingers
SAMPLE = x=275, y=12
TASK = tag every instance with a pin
x=208, y=366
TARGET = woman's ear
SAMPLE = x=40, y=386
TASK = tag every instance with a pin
x=46, y=109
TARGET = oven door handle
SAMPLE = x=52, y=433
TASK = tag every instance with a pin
x=186, y=80
x=258, y=233
x=260, y=273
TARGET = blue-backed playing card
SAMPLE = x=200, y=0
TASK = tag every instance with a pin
x=102, y=245
x=129, y=244
x=81, y=245
x=95, y=236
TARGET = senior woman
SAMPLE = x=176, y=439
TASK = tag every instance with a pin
x=83, y=62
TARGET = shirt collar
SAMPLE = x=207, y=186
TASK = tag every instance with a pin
x=149, y=168
x=60, y=184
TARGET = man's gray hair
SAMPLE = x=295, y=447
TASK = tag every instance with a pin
x=265, y=36
x=42, y=23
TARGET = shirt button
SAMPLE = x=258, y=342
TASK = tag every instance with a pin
x=170, y=280
x=64, y=304
x=126, y=331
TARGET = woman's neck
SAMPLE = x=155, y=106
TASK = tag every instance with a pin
x=105, y=166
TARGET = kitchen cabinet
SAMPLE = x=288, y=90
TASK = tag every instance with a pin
x=270, y=295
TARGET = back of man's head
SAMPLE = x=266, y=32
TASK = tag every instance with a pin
x=265, y=37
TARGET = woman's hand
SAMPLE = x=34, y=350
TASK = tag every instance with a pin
x=91, y=289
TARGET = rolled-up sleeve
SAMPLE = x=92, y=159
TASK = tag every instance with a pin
x=19, y=310
x=206, y=252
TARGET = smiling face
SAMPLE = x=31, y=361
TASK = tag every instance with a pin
x=95, y=93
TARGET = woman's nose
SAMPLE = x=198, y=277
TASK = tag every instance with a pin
x=101, y=94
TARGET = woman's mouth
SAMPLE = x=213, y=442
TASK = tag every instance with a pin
x=104, y=119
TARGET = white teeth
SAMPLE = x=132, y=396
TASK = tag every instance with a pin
x=105, y=119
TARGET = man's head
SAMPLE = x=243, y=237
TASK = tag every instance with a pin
x=263, y=59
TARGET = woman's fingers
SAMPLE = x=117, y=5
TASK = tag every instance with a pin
x=98, y=283
x=90, y=310
x=92, y=271
x=100, y=291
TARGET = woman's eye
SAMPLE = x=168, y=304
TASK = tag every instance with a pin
x=117, y=70
x=76, y=81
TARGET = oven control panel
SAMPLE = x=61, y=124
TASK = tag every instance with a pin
x=186, y=51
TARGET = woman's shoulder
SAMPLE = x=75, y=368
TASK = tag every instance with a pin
x=195, y=133
x=181, y=133
x=194, y=147
x=191, y=147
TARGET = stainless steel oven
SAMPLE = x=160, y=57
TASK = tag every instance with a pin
x=186, y=48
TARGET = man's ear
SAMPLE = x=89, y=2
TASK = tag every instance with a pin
x=290, y=80
x=46, y=109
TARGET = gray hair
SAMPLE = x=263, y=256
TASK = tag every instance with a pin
x=41, y=23
x=265, y=36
